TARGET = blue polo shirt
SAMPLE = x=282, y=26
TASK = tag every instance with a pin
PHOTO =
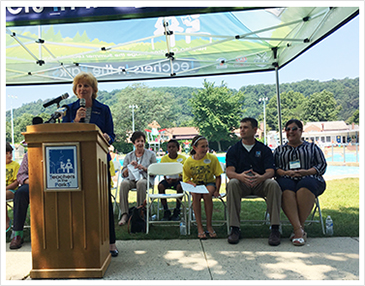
x=258, y=159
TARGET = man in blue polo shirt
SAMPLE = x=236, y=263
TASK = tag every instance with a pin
x=250, y=168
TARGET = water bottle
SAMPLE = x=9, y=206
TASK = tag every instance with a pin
x=182, y=228
x=154, y=217
x=329, y=226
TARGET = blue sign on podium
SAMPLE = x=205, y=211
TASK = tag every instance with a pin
x=62, y=167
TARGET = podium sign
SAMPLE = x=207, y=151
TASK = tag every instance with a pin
x=69, y=200
x=62, y=167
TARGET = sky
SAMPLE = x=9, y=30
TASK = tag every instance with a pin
x=335, y=57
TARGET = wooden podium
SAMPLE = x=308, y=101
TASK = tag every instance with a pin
x=68, y=194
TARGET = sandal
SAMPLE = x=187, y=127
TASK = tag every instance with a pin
x=299, y=241
x=202, y=236
x=212, y=234
x=124, y=220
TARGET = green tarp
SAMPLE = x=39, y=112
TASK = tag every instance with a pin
x=160, y=42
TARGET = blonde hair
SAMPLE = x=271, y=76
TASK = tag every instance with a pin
x=89, y=79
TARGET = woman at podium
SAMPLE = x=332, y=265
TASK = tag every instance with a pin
x=88, y=110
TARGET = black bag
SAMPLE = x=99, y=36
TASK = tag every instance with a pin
x=137, y=219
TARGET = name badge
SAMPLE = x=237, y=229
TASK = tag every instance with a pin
x=294, y=164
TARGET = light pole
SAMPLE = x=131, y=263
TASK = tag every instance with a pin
x=133, y=107
x=12, y=118
x=264, y=99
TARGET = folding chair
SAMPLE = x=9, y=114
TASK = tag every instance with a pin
x=312, y=220
x=165, y=169
x=221, y=197
x=115, y=189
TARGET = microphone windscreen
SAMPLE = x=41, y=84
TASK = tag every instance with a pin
x=37, y=120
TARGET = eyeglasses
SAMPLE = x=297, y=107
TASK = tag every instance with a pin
x=292, y=129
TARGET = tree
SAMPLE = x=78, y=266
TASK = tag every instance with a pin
x=152, y=105
x=291, y=105
x=354, y=118
x=321, y=106
x=217, y=111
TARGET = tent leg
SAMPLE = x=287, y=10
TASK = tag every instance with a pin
x=278, y=104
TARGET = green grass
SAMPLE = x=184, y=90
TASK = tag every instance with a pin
x=340, y=201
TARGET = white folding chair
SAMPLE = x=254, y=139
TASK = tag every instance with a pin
x=115, y=189
x=165, y=169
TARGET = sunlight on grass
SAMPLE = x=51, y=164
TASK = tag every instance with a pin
x=340, y=201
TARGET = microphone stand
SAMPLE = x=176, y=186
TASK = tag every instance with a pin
x=58, y=106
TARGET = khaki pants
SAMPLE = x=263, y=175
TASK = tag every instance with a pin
x=269, y=189
x=125, y=186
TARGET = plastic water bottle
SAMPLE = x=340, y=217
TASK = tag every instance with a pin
x=154, y=217
x=329, y=226
x=182, y=228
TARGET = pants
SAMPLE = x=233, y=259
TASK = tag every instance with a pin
x=21, y=203
x=269, y=189
x=111, y=212
x=125, y=186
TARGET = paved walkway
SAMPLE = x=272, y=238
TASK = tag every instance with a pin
x=333, y=258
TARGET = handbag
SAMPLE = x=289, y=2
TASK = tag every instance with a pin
x=137, y=219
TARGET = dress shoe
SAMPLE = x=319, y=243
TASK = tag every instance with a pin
x=234, y=237
x=274, y=238
x=114, y=253
x=16, y=242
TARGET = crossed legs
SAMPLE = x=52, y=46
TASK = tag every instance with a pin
x=297, y=207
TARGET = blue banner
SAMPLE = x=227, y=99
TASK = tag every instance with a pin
x=24, y=16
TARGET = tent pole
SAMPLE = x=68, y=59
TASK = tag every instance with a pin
x=278, y=103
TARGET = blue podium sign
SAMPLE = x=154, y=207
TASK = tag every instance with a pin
x=62, y=167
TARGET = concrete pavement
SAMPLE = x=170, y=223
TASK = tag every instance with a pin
x=325, y=258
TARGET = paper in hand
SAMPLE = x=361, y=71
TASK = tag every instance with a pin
x=134, y=173
x=200, y=189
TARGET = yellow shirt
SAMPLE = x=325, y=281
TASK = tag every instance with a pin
x=179, y=159
x=203, y=171
x=112, y=173
x=11, y=172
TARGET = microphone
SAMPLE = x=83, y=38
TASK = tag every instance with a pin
x=82, y=104
x=58, y=113
x=56, y=100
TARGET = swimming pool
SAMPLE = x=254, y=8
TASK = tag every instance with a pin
x=349, y=157
x=331, y=170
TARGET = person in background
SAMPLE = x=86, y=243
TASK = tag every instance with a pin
x=172, y=182
x=85, y=86
x=250, y=169
x=12, y=184
x=134, y=172
x=203, y=168
x=299, y=169
x=21, y=199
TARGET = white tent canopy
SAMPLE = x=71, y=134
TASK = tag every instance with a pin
x=47, y=45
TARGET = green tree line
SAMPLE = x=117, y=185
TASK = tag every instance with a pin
x=214, y=110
